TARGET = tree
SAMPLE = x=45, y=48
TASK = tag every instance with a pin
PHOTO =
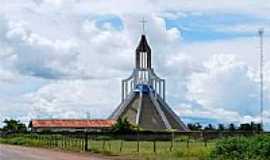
x=195, y=126
x=253, y=126
x=250, y=127
x=231, y=127
x=209, y=127
x=256, y=126
x=259, y=127
x=221, y=127
x=14, y=126
x=245, y=127
x=124, y=126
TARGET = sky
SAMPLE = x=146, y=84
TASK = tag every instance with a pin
x=66, y=58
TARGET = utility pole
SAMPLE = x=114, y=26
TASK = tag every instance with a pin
x=261, y=32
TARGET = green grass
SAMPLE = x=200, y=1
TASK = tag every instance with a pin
x=196, y=150
x=180, y=151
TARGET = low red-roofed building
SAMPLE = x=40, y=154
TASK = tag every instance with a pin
x=70, y=125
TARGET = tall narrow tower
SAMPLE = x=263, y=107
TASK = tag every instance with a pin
x=260, y=32
x=143, y=96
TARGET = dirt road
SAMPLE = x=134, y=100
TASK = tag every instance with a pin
x=10, y=152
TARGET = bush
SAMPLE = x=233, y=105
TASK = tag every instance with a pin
x=242, y=148
x=14, y=126
x=124, y=126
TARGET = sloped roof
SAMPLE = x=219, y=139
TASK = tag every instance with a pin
x=71, y=123
x=143, y=45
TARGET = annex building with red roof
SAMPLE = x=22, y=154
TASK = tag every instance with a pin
x=70, y=125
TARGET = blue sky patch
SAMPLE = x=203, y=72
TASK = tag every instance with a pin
x=114, y=22
x=209, y=27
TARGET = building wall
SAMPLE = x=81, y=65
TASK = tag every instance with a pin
x=43, y=129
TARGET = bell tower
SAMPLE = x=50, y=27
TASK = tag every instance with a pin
x=143, y=54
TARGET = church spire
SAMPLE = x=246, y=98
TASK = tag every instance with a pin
x=143, y=54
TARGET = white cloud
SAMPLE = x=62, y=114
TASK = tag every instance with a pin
x=81, y=70
x=260, y=7
x=246, y=49
x=74, y=98
x=226, y=89
x=59, y=41
x=7, y=76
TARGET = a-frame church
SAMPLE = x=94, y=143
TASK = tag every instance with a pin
x=143, y=103
x=143, y=96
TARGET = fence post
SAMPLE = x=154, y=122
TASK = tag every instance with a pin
x=82, y=142
x=73, y=142
x=188, y=140
x=79, y=142
x=86, y=142
x=47, y=141
x=138, y=143
x=205, y=138
x=62, y=141
x=38, y=140
x=121, y=145
x=103, y=145
x=172, y=141
x=70, y=141
x=76, y=142
x=154, y=145
x=65, y=141
x=110, y=146
x=57, y=141
x=53, y=141
x=50, y=138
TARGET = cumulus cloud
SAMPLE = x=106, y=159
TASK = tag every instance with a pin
x=226, y=89
x=73, y=99
x=82, y=64
x=61, y=60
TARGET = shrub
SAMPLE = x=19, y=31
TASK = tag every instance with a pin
x=242, y=148
x=124, y=126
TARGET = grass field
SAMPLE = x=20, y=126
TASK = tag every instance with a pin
x=162, y=150
x=196, y=150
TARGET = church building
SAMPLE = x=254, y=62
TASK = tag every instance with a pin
x=143, y=103
x=143, y=96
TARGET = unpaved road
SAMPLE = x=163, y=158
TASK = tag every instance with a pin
x=10, y=152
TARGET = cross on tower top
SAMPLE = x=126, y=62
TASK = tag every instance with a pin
x=143, y=21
